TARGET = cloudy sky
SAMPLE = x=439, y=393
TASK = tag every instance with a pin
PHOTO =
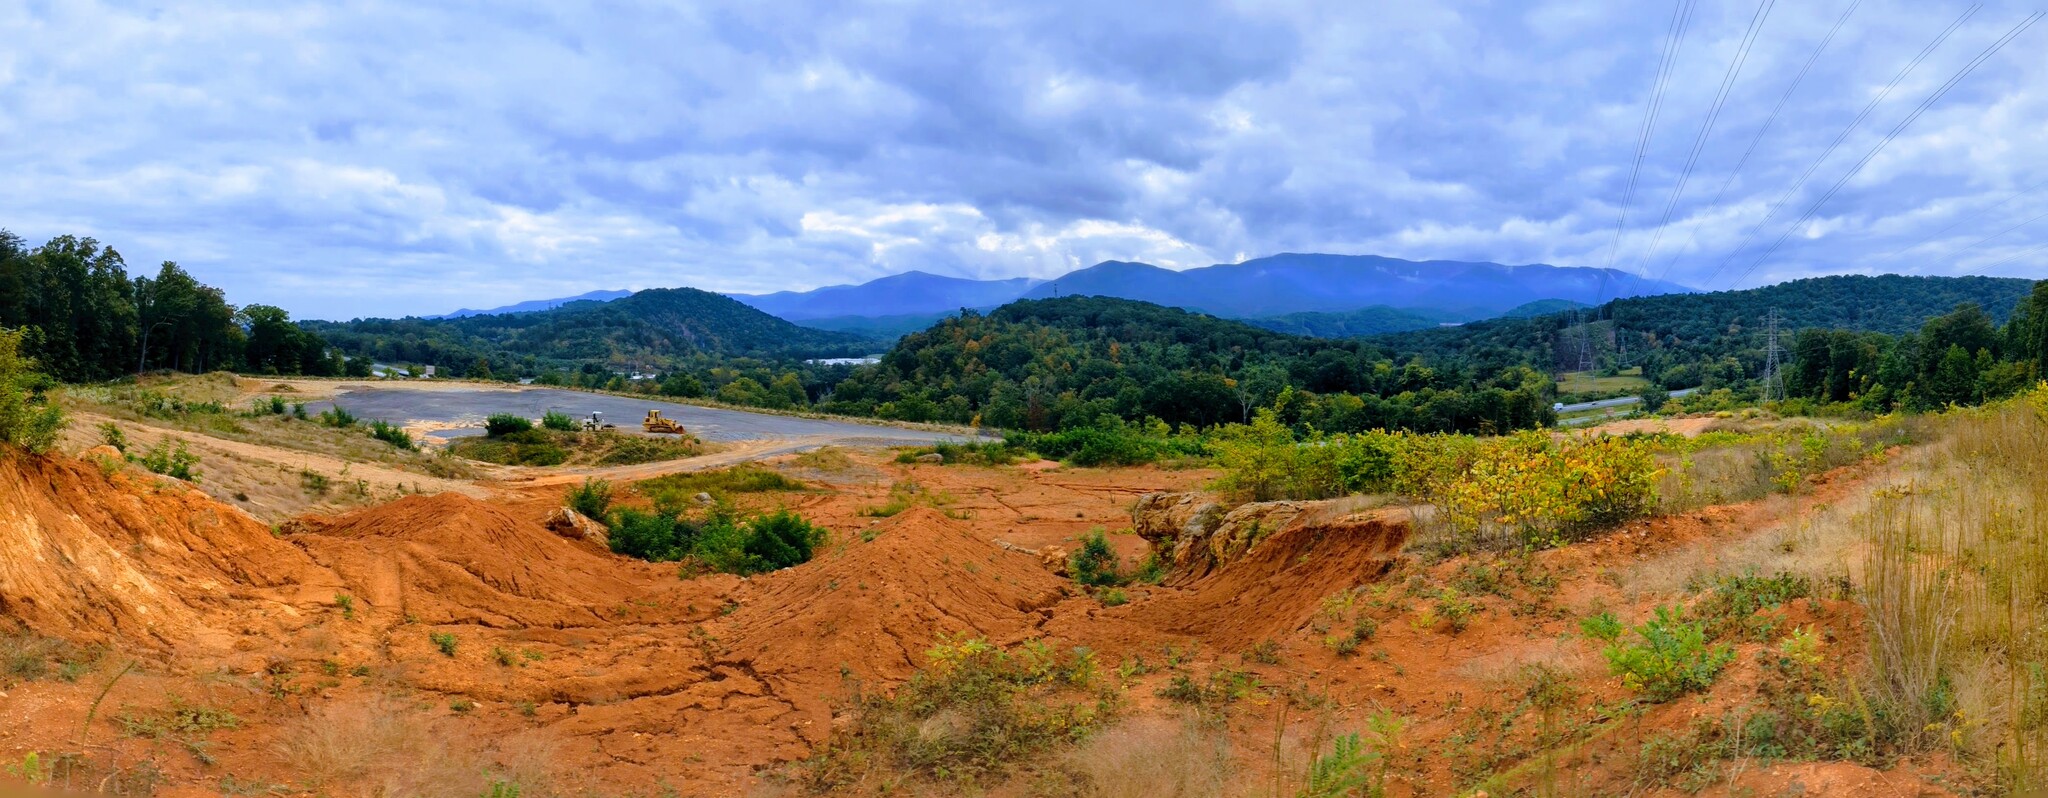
x=383, y=158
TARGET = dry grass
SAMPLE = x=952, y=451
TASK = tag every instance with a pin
x=385, y=747
x=828, y=459
x=1956, y=584
x=1151, y=758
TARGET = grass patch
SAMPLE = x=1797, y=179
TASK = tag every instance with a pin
x=549, y=447
x=991, y=453
x=825, y=458
x=971, y=717
x=1583, y=386
x=675, y=490
x=26, y=656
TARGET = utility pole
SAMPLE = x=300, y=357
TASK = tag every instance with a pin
x=1774, y=378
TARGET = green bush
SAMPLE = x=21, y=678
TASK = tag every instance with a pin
x=1731, y=607
x=781, y=539
x=719, y=541
x=593, y=499
x=1110, y=442
x=1671, y=659
x=337, y=416
x=391, y=434
x=175, y=462
x=649, y=536
x=1095, y=564
x=502, y=424
x=559, y=421
x=985, y=453
x=27, y=418
x=444, y=642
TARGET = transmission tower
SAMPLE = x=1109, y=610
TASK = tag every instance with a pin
x=1774, y=377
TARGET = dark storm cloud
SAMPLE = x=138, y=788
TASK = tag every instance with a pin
x=396, y=157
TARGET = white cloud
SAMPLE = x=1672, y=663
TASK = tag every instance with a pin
x=400, y=158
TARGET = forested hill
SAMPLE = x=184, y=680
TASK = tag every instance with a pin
x=1061, y=363
x=1677, y=330
x=648, y=330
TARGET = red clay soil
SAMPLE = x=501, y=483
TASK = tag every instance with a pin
x=1272, y=590
x=109, y=560
x=635, y=679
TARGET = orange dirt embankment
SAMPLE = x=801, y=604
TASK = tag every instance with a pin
x=449, y=558
x=113, y=560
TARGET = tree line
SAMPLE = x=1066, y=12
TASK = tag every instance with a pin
x=1963, y=357
x=1055, y=364
x=82, y=318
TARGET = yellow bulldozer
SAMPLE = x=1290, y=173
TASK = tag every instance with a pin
x=655, y=423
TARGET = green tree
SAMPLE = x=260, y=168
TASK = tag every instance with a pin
x=27, y=419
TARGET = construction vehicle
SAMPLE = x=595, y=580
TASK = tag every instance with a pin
x=596, y=422
x=655, y=423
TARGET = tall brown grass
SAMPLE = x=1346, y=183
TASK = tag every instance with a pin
x=386, y=747
x=1955, y=580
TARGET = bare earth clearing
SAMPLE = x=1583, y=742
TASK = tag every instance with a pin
x=439, y=630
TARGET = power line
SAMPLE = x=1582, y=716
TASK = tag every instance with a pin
x=1843, y=136
x=1694, y=232
x=1953, y=254
x=2017, y=257
x=1953, y=225
x=1681, y=18
x=1699, y=142
x=1774, y=377
x=1939, y=92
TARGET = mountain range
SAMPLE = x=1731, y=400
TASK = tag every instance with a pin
x=1433, y=291
x=536, y=305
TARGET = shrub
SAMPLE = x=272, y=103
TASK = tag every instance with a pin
x=1095, y=564
x=781, y=539
x=1345, y=770
x=648, y=536
x=1109, y=442
x=1671, y=659
x=391, y=434
x=172, y=462
x=1545, y=490
x=719, y=541
x=444, y=642
x=502, y=424
x=1731, y=607
x=112, y=435
x=994, y=453
x=558, y=421
x=338, y=416
x=27, y=418
x=593, y=499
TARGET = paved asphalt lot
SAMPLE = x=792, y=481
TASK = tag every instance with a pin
x=470, y=406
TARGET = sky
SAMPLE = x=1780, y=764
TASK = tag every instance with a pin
x=382, y=158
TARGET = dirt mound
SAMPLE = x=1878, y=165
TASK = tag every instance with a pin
x=868, y=610
x=1258, y=584
x=94, y=558
x=1200, y=536
x=449, y=558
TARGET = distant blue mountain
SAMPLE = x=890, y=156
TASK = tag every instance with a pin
x=536, y=305
x=1298, y=283
x=906, y=294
